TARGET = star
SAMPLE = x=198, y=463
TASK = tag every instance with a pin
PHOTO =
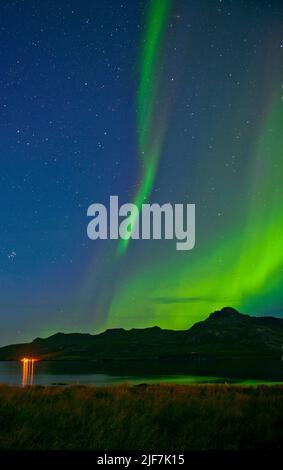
x=12, y=255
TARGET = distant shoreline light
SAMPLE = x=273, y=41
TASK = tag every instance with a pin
x=25, y=359
x=150, y=222
x=28, y=370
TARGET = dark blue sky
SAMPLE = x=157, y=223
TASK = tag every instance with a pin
x=66, y=111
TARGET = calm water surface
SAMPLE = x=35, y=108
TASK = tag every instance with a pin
x=200, y=371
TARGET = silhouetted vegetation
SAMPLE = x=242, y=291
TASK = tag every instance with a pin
x=142, y=417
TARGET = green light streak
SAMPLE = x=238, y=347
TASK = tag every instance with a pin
x=143, y=192
x=149, y=140
x=156, y=22
x=242, y=267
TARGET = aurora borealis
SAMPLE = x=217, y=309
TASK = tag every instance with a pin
x=150, y=135
x=157, y=101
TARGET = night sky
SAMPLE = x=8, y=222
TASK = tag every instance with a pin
x=162, y=101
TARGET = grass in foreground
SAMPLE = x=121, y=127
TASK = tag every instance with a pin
x=157, y=417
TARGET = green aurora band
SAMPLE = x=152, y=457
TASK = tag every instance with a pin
x=150, y=136
x=243, y=269
x=149, y=151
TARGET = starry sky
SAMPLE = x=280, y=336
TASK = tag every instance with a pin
x=154, y=101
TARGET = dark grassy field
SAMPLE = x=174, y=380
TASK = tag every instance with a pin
x=143, y=417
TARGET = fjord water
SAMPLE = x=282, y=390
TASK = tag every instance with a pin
x=238, y=371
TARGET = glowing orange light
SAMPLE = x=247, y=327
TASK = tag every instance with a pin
x=27, y=371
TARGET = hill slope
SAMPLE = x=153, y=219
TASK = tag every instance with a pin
x=225, y=333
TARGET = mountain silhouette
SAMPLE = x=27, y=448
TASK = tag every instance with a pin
x=225, y=333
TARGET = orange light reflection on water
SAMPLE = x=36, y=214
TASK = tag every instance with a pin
x=27, y=371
